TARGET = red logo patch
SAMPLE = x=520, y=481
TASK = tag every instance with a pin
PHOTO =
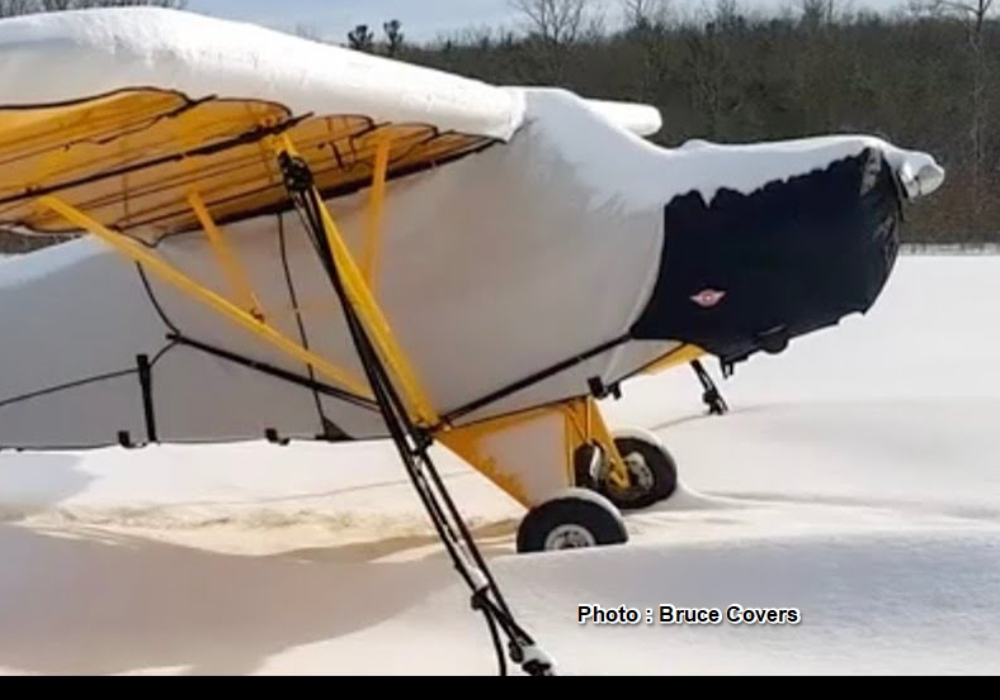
x=708, y=299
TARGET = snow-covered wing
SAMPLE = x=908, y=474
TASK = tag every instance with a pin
x=142, y=106
x=95, y=52
x=641, y=120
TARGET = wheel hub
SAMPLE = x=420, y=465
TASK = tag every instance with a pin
x=569, y=537
x=642, y=477
x=640, y=472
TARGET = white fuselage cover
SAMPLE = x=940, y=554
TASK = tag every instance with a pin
x=494, y=268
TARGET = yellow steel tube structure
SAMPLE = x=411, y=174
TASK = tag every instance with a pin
x=363, y=301
x=585, y=416
x=682, y=356
x=360, y=296
x=230, y=265
x=139, y=254
x=376, y=207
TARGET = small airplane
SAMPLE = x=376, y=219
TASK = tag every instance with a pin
x=329, y=245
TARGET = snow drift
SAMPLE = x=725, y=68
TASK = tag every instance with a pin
x=858, y=486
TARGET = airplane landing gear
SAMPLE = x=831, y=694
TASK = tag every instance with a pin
x=574, y=476
x=652, y=471
x=577, y=519
x=712, y=397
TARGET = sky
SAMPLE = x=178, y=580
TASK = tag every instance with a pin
x=423, y=20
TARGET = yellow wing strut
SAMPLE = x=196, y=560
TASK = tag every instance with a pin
x=241, y=285
x=376, y=206
x=361, y=298
x=139, y=254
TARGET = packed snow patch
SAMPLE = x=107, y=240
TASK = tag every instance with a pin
x=855, y=482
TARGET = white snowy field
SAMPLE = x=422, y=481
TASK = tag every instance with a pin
x=857, y=480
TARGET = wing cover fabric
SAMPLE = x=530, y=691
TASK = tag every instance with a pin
x=86, y=53
x=131, y=159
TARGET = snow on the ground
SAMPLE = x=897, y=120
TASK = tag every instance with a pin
x=856, y=480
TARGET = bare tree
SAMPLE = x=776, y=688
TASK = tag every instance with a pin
x=555, y=29
x=974, y=14
x=361, y=38
x=556, y=22
x=816, y=13
x=645, y=14
x=393, y=36
x=16, y=8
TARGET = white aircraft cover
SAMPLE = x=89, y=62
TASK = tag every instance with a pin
x=496, y=267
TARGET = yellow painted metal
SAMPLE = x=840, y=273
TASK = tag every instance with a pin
x=583, y=425
x=598, y=430
x=363, y=301
x=682, y=356
x=584, y=415
x=570, y=434
x=372, y=316
x=376, y=207
x=168, y=273
x=466, y=443
x=227, y=260
x=130, y=159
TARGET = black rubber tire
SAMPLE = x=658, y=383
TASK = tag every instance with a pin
x=663, y=470
x=604, y=526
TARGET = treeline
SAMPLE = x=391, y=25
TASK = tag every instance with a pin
x=923, y=77
x=16, y=8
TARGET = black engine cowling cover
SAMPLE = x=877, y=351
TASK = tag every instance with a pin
x=751, y=272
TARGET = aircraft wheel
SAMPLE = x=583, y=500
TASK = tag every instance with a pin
x=652, y=469
x=579, y=519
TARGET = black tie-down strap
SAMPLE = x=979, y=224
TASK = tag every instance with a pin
x=717, y=405
x=413, y=445
x=148, y=407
